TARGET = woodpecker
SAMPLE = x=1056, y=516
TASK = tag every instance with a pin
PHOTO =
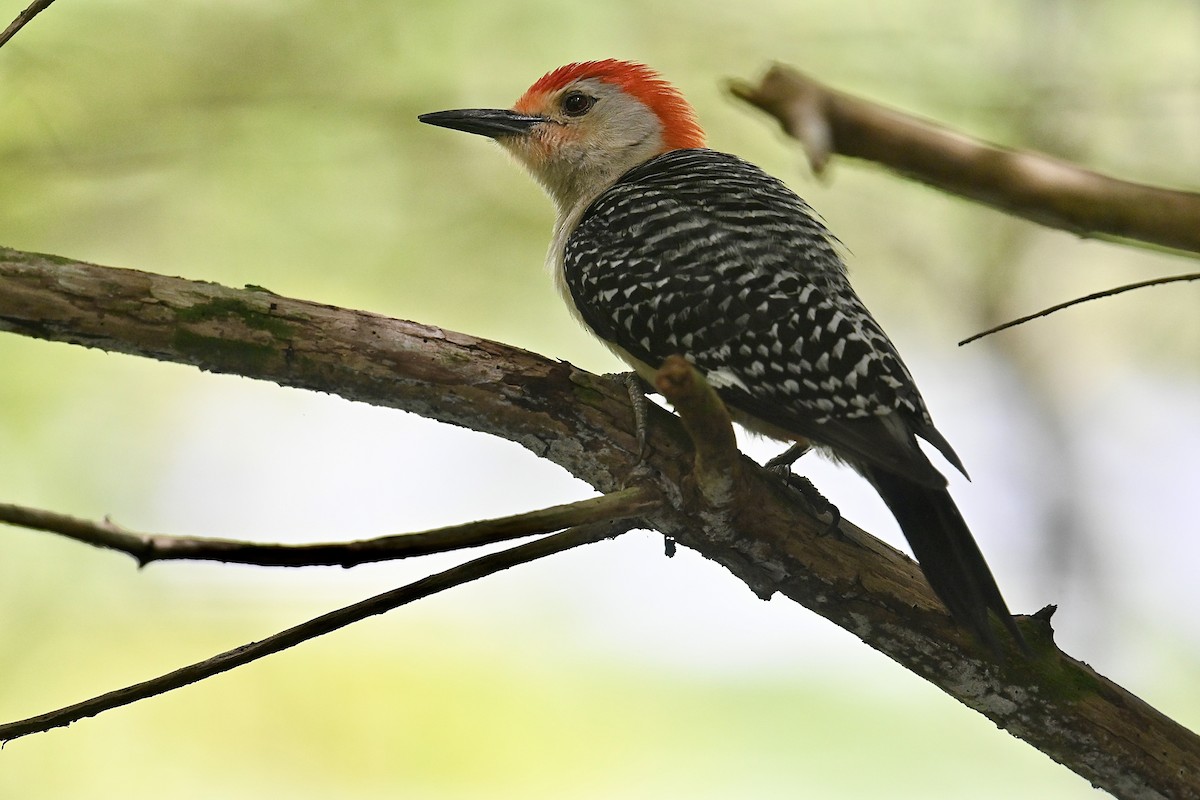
x=663, y=246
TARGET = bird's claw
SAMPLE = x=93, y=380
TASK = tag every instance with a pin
x=641, y=410
x=636, y=389
x=782, y=463
x=817, y=502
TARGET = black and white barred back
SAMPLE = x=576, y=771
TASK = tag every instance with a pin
x=701, y=253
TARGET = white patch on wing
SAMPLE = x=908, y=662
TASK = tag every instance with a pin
x=722, y=378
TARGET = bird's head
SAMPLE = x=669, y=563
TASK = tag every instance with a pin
x=580, y=127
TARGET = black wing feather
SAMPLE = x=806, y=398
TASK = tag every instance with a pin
x=691, y=252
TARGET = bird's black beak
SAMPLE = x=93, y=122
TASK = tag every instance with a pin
x=491, y=122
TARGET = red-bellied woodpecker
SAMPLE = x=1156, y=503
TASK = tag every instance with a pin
x=663, y=246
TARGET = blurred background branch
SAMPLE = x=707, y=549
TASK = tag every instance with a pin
x=1032, y=185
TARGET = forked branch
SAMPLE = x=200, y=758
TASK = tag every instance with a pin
x=624, y=504
x=319, y=626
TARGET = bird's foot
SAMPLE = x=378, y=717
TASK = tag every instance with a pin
x=817, y=503
x=782, y=463
x=636, y=387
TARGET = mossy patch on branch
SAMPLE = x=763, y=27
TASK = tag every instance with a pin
x=221, y=308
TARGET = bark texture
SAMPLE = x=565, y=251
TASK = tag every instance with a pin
x=767, y=537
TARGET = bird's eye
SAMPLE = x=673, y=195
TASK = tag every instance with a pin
x=576, y=104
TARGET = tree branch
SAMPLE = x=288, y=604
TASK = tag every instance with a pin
x=585, y=424
x=1045, y=312
x=623, y=504
x=319, y=626
x=22, y=19
x=1031, y=185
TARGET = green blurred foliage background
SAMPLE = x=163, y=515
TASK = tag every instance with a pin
x=276, y=144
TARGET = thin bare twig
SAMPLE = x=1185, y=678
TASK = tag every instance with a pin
x=35, y=8
x=1032, y=185
x=1192, y=276
x=326, y=623
x=145, y=548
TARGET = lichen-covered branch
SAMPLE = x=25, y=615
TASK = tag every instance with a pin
x=585, y=424
x=1032, y=185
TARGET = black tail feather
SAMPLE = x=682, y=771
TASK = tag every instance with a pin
x=948, y=555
